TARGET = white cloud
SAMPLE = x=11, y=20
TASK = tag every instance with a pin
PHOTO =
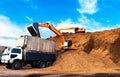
x=92, y=25
x=8, y=31
x=30, y=19
x=34, y=7
x=83, y=22
x=88, y=6
x=68, y=23
x=89, y=24
x=32, y=4
x=7, y=42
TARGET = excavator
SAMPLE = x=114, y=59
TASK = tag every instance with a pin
x=65, y=44
x=74, y=29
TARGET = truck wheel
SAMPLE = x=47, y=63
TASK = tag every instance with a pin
x=16, y=65
x=8, y=66
x=48, y=64
x=33, y=65
x=23, y=64
x=42, y=65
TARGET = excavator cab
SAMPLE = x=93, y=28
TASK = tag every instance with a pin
x=65, y=44
x=79, y=30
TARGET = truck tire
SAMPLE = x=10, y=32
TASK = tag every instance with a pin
x=8, y=66
x=33, y=65
x=48, y=64
x=16, y=65
x=42, y=65
x=23, y=64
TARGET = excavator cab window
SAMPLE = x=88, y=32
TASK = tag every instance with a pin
x=68, y=43
x=76, y=29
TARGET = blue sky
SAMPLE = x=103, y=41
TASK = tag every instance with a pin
x=93, y=15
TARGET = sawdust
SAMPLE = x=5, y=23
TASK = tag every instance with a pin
x=97, y=51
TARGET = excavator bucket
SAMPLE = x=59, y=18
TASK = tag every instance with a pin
x=33, y=30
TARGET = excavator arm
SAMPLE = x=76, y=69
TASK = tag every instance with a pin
x=65, y=44
x=52, y=28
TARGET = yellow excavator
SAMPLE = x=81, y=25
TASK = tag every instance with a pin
x=74, y=29
x=65, y=44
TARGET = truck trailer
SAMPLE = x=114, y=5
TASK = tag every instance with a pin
x=35, y=51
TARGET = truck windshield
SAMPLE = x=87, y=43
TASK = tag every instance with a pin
x=16, y=51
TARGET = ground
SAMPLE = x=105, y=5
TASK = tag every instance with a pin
x=36, y=72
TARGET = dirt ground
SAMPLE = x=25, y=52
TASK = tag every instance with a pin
x=36, y=72
x=98, y=54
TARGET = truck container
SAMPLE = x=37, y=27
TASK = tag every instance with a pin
x=30, y=50
x=35, y=43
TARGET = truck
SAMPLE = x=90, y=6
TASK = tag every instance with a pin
x=37, y=52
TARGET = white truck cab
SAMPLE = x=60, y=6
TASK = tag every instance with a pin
x=10, y=55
